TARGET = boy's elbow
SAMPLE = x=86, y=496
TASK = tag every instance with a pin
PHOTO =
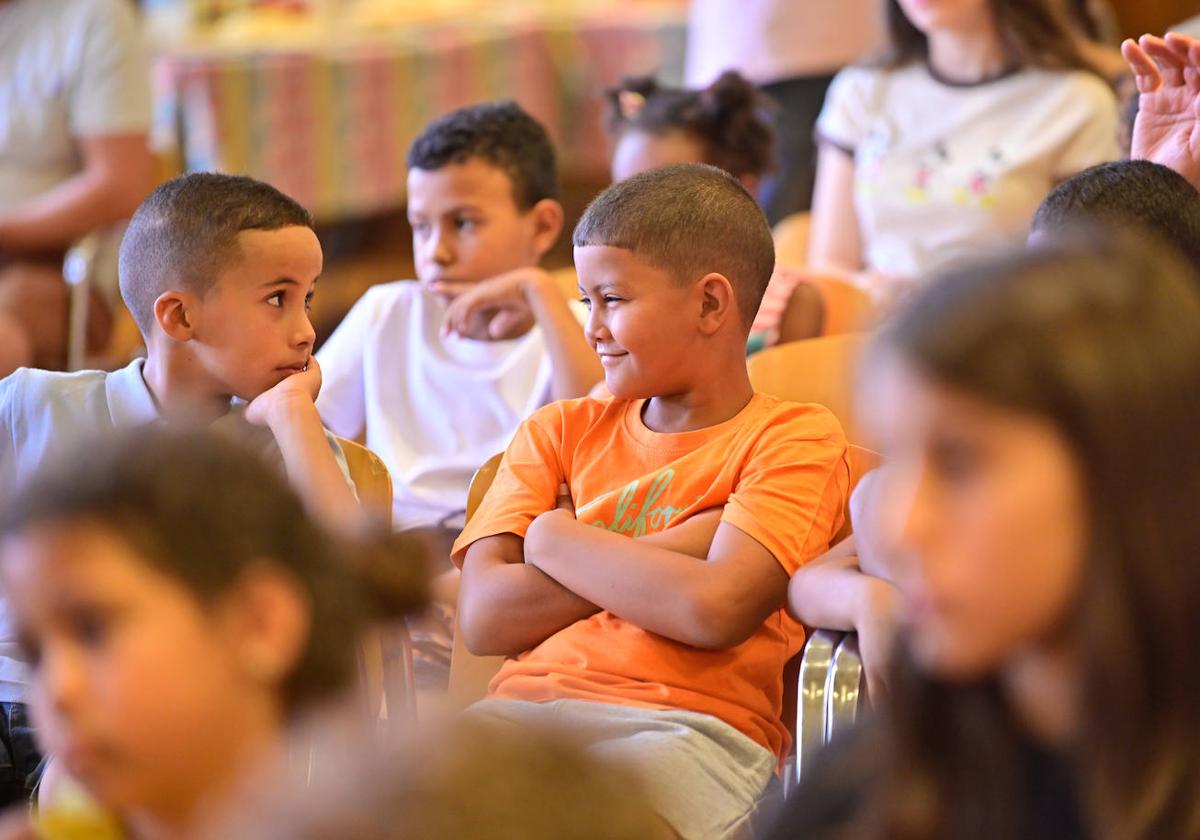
x=719, y=625
x=484, y=633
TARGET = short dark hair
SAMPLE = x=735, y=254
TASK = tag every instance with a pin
x=1128, y=193
x=689, y=219
x=500, y=133
x=205, y=511
x=186, y=233
x=732, y=118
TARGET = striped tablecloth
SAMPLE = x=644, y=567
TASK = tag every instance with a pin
x=331, y=124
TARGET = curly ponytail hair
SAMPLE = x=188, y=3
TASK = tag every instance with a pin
x=731, y=117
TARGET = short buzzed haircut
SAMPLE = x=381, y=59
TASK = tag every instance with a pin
x=185, y=234
x=689, y=220
x=500, y=133
x=1128, y=193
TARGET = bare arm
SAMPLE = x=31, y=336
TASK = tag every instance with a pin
x=832, y=593
x=508, y=304
x=500, y=583
x=289, y=412
x=834, y=242
x=117, y=174
x=506, y=606
x=714, y=603
x=574, y=364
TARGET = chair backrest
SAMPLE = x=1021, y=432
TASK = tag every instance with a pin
x=817, y=370
x=370, y=476
x=385, y=655
x=470, y=674
x=848, y=309
x=791, y=240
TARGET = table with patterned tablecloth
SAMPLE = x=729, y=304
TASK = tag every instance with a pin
x=330, y=123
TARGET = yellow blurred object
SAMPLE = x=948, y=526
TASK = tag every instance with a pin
x=266, y=26
x=72, y=814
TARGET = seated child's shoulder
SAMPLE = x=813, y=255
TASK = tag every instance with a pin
x=32, y=385
x=790, y=419
x=578, y=412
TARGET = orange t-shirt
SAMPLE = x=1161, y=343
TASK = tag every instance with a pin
x=780, y=470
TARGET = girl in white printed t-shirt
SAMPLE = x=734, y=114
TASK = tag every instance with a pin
x=949, y=144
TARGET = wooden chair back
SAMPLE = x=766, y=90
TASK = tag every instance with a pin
x=470, y=674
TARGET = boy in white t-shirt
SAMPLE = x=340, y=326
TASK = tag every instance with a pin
x=437, y=374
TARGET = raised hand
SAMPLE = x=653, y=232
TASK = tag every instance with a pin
x=1167, y=129
x=495, y=309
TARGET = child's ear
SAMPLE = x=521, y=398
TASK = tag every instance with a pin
x=547, y=217
x=173, y=311
x=269, y=620
x=718, y=304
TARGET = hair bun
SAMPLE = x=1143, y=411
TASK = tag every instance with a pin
x=392, y=572
x=731, y=92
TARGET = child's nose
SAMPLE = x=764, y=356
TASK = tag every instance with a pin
x=62, y=682
x=594, y=329
x=306, y=335
x=440, y=250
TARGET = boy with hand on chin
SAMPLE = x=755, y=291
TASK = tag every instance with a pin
x=649, y=617
x=218, y=271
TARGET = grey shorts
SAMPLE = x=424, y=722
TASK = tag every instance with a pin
x=701, y=775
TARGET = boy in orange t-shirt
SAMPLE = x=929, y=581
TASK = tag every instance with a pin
x=632, y=555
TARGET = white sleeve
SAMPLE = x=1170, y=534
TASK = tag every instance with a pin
x=111, y=91
x=9, y=398
x=846, y=115
x=342, y=400
x=1096, y=135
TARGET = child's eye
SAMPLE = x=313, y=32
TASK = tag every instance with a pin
x=420, y=228
x=464, y=224
x=612, y=299
x=89, y=628
x=276, y=299
x=586, y=301
x=308, y=299
x=954, y=462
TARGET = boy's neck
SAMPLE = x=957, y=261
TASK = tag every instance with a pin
x=181, y=389
x=713, y=399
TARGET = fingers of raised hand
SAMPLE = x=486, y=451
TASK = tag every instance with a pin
x=1144, y=69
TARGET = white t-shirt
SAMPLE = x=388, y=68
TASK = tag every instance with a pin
x=434, y=409
x=45, y=413
x=68, y=69
x=772, y=40
x=943, y=169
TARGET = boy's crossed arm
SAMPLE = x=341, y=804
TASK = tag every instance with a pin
x=716, y=601
x=508, y=605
